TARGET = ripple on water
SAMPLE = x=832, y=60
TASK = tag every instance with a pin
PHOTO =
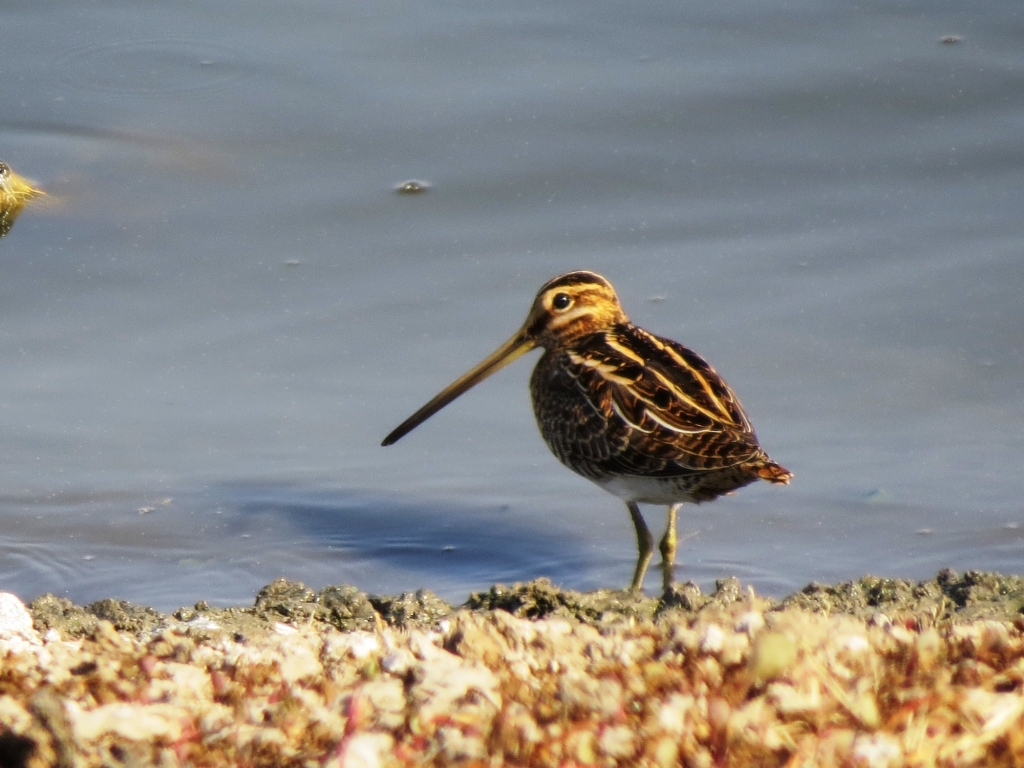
x=152, y=66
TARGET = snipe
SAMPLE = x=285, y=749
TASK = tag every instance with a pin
x=641, y=416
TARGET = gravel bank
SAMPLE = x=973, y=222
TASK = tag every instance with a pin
x=876, y=672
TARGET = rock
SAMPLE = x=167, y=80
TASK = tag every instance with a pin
x=15, y=620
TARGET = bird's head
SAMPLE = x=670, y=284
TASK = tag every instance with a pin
x=566, y=308
x=570, y=306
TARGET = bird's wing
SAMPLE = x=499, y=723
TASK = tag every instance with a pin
x=667, y=411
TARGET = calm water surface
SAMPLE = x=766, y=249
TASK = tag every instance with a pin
x=223, y=305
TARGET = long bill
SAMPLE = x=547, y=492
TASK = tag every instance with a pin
x=508, y=352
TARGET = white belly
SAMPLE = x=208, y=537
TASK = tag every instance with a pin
x=648, y=490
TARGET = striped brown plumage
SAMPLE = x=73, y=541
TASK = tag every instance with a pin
x=641, y=416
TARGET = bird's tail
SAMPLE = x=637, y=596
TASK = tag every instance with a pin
x=774, y=473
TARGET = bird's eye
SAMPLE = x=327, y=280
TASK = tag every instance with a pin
x=561, y=301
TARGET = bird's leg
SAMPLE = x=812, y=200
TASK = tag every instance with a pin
x=667, y=547
x=644, y=546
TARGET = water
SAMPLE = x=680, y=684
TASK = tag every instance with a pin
x=223, y=305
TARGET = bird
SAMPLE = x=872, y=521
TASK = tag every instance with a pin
x=641, y=416
x=15, y=191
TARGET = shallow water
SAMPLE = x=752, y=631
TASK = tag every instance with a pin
x=223, y=305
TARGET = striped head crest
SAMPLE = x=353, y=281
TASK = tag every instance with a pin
x=570, y=306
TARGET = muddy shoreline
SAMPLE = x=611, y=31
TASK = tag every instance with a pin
x=973, y=595
x=876, y=672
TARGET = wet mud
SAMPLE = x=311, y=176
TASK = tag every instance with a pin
x=973, y=595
